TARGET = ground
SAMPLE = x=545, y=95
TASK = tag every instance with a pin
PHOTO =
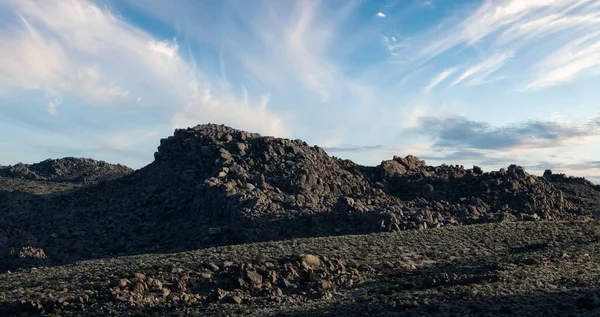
x=522, y=268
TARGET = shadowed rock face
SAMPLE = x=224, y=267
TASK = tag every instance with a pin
x=214, y=185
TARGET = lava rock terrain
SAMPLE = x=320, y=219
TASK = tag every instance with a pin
x=212, y=186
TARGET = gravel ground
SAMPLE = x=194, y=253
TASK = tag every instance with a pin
x=518, y=268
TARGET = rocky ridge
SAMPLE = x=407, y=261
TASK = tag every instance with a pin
x=214, y=185
x=69, y=170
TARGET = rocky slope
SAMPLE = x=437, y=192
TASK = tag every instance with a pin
x=545, y=268
x=213, y=185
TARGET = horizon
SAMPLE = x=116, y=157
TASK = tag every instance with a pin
x=487, y=83
x=325, y=149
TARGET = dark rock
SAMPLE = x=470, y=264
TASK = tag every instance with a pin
x=214, y=231
x=212, y=185
x=589, y=301
x=69, y=169
x=428, y=191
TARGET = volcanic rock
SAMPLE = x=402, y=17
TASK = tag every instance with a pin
x=213, y=185
x=69, y=169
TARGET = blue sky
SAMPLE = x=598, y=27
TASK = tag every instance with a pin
x=479, y=82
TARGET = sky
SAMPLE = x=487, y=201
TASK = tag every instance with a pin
x=470, y=82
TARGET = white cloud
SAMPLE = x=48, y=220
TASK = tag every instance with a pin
x=165, y=48
x=89, y=80
x=479, y=72
x=29, y=60
x=414, y=114
x=579, y=56
x=235, y=111
x=52, y=107
x=298, y=52
x=528, y=29
x=439, y=78
x=428, y=4
x=73, y=48
x=300, y=59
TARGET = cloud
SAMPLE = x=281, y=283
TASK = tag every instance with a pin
x=580, y=56
x=428, y=4
x=464, y=156
x=52, y=105
x=439, y=78
x=553, y=41
x=581, y=165
x=360, y=148
x=594, y=179
x=220, y=108
x=467, y=154
x=459, y=132
x=590, y=170
x=316, y=70
x=479, y=72
x=29, y=60
x=40, y=138
x=77, y=52
x=297, y=55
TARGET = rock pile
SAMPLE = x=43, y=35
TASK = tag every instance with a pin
x=583, y=194
x=511, y=190
x=238, y=175
x=69, y=169
x=27, y=257
x=295, y=279
x=214, y=185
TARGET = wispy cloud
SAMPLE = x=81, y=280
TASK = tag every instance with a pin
x=439, y=78
x=559, y=37
x=335, y=73
x=296, y=54
x=580, y=56
x=339, y=149
x=462, y=156
x=52, y=105
x=583, y=165
x=76, y=50
x=428, y=3
x=478, y=73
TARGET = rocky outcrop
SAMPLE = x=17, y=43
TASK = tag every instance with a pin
x=69, y=169
x=214, y=185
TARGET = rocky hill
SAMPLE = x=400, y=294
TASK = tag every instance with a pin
x=66, y=170
x=214, y=185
